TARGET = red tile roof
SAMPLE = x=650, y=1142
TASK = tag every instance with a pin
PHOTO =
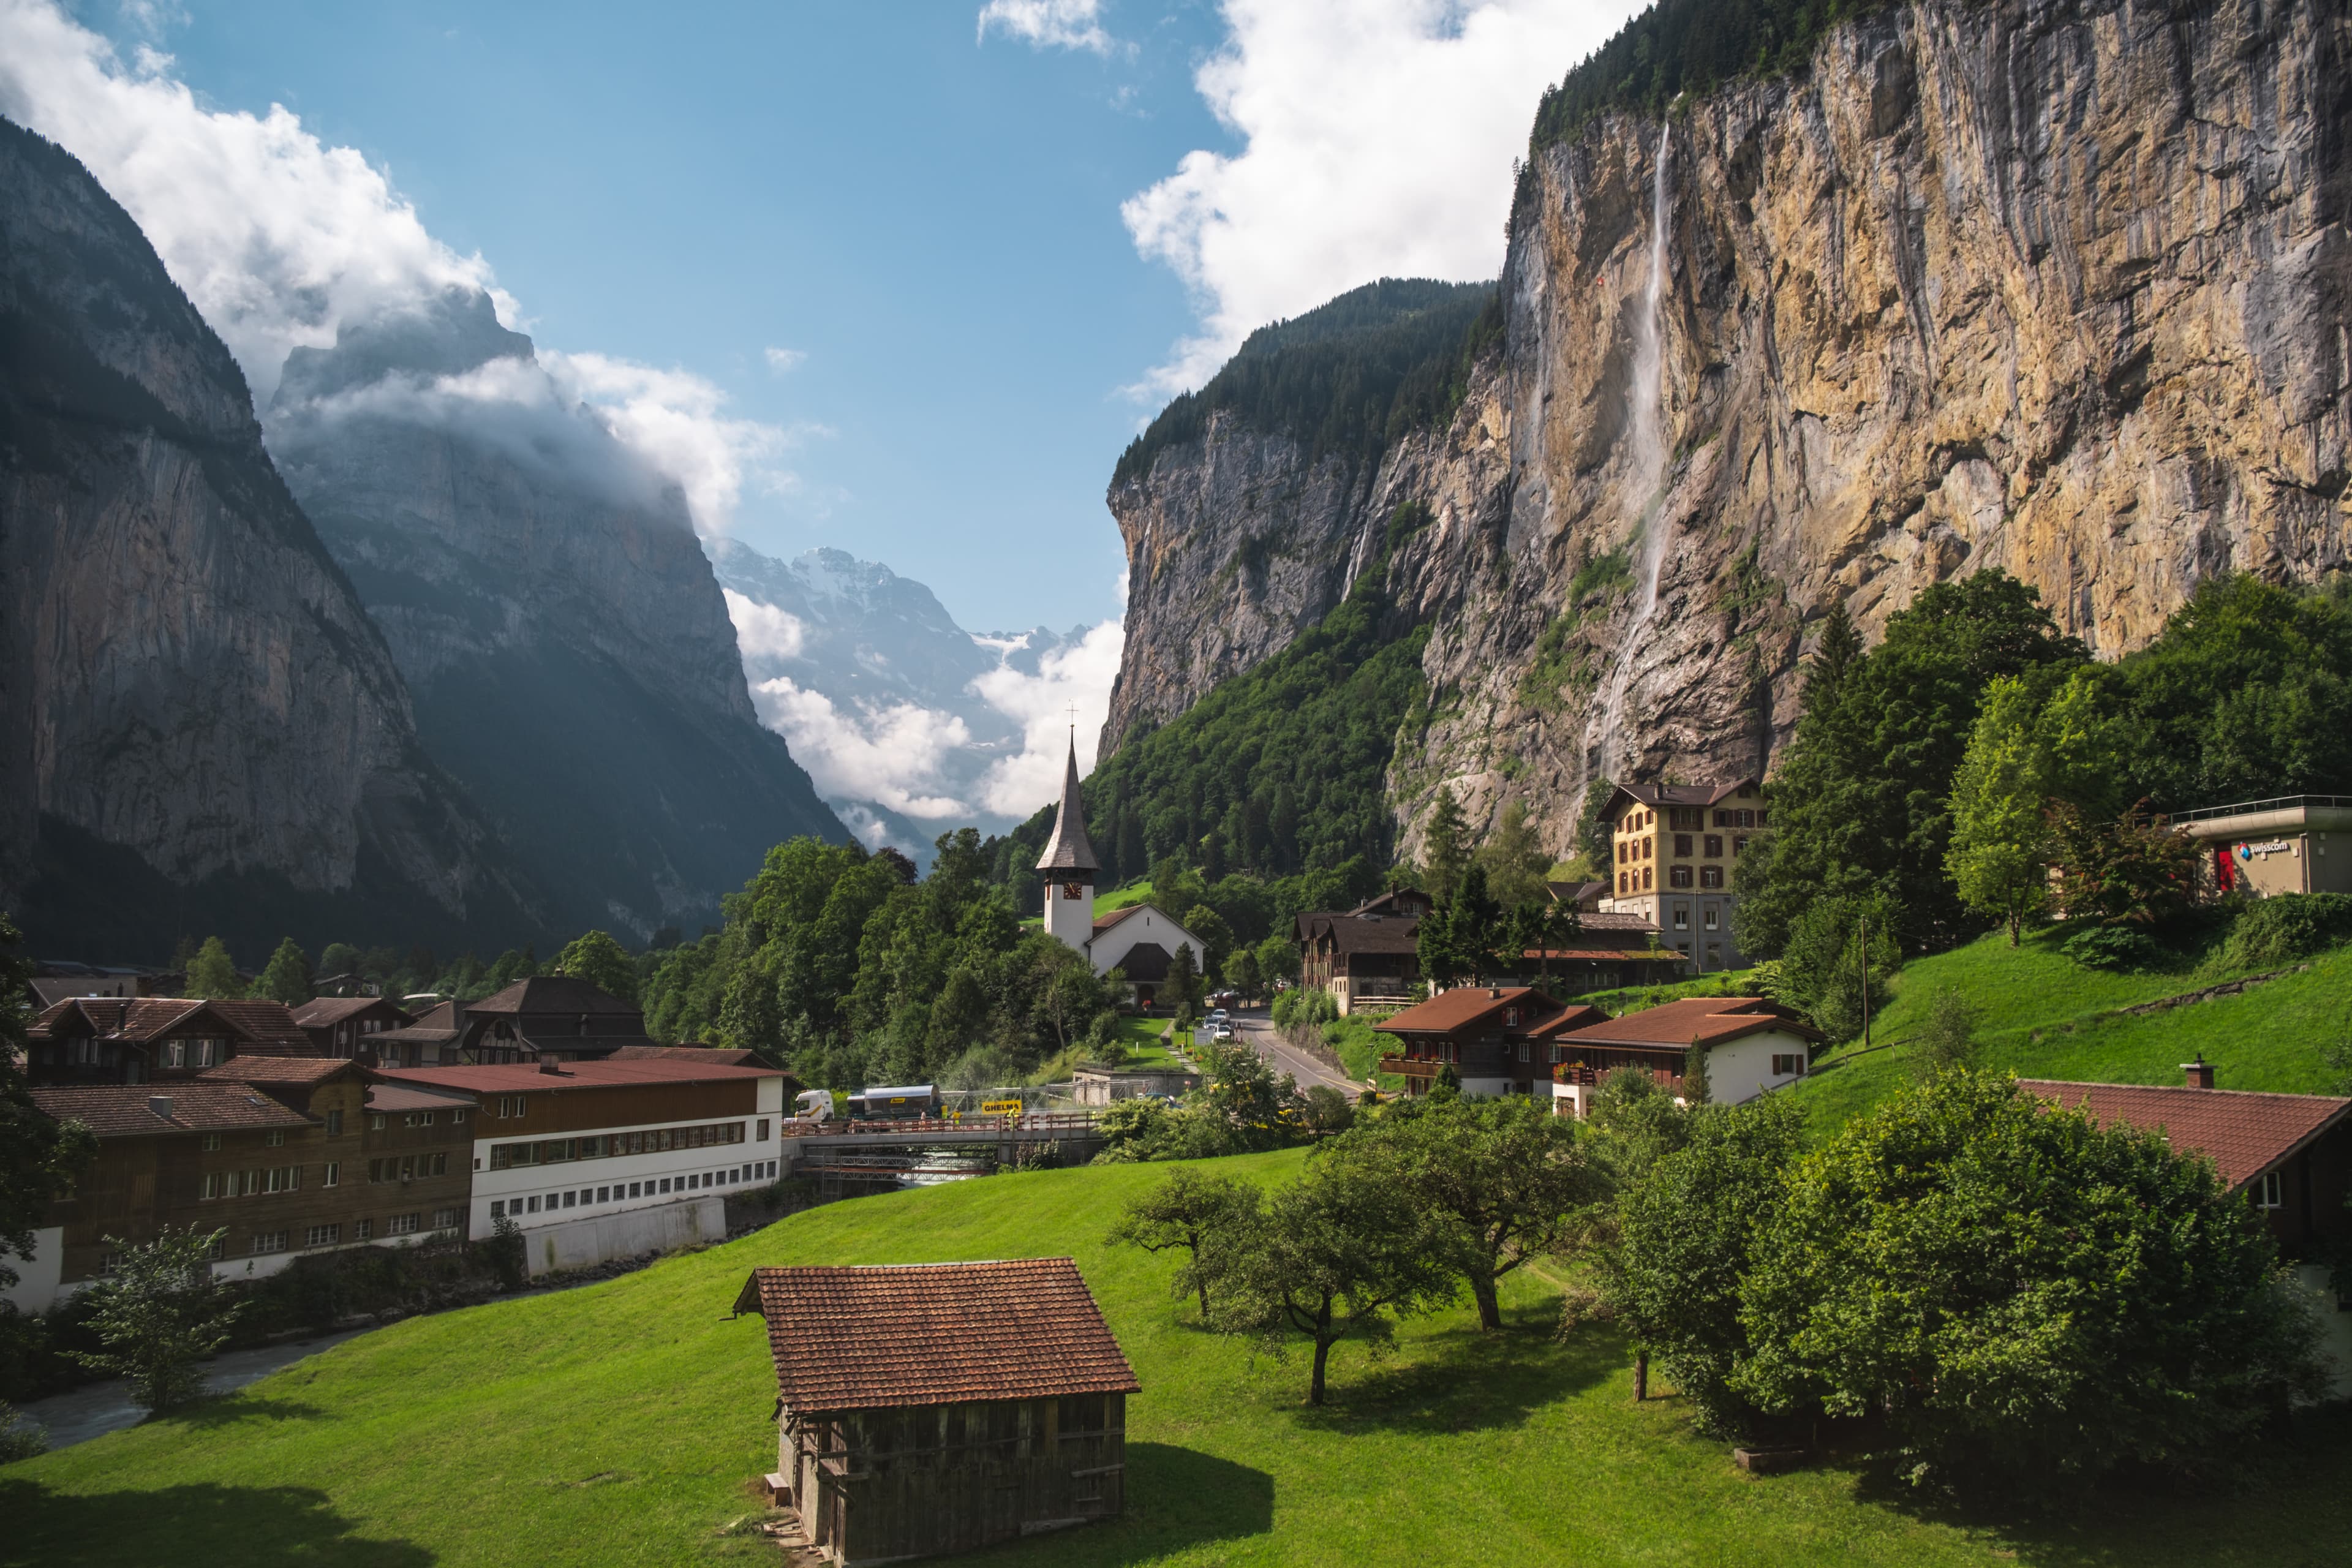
x=520, y=1077
x=2244, y=1133
x=324, y=1012
x=127, y=1110
x=1468, y=1006
x=1575, y=1016
x=939, y=1333
x=551, y=993
x=267, y=1027
x=259, y=1027
x=409, y=1097
x=278, y=1070
x=1691, y=1021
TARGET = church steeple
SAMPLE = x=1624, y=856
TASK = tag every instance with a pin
x=1068, y=865
x=1069, y=850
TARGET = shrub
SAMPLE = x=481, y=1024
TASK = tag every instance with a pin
x=20, y=1438
x=2281, y=930
x=2112, y=947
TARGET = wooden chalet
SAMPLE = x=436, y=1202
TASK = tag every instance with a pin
x=340, y=1026
x=1366, y=958
x=555, y=1017
x=429, y=1040
x=1497, y=1039
x=1745, y=1046
x=154, y=1039
x=929, y=1408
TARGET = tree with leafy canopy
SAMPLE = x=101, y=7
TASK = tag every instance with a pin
x=1183, y=985
x=1277, y=957
x=2130, y=870
x=1840, y=962
x=1444, y=847
x=509, y=967
x=1687, y=1233
x=1340, y=1255
x=287, y=976
x=1463, y=938
x=158, y=1315
x=597, y=958
x=39, y=1157
x=1212, y=1218
x=1241, y=973
x=1217, y=937
x=213, y=974
x=1501, y=1181
x=1861, y=803
x=1948, y=1036
x=1258, y=1107
x=2028, y=1299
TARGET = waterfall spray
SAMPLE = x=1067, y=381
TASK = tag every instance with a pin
x=1647, y=397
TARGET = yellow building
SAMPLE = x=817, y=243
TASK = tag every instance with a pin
x=1674, y=846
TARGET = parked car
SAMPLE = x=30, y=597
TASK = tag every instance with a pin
x=1221, y=1033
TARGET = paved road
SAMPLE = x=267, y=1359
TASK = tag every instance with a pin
x=97, y=1408
x=1253, y=1026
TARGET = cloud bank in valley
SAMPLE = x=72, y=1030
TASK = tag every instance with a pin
x=1379, y=141
x=280, y=240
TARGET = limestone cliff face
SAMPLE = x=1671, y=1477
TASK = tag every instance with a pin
x=199, y=721
x=2060, y=289
x=545, y=597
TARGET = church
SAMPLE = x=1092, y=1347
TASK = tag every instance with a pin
x=1140, y=941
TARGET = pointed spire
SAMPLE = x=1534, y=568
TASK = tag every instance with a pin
x=1068, y=849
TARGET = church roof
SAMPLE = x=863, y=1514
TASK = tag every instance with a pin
x=1068, y=849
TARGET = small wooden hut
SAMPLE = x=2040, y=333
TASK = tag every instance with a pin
x=929, y=1408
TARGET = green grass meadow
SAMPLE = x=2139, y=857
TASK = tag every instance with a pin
x=624, y=1422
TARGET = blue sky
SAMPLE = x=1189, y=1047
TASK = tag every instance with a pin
x=901, y=277
x=931, y=220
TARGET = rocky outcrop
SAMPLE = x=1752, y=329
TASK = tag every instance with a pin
x=2059, y=289
x=199, y=729
x=567, y=646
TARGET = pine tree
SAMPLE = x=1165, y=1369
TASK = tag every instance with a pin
x=1445, y=846
x=286, y=977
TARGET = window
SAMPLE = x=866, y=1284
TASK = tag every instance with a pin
x=1645, y=879
x=364, y=1231
x=1739, y=846
x=335, y=1124
x=1787, y=1064
x=1710, y=876
x=220, y=1184
x=633, y=1190
x=604, y=1194
x=2270, y=1193
x=322, y=1235
x=1763, y=819
x=1624, y=852
x=1523, y=1050
x=401, y=1224
x=334, y=1174
x=497, y=1208
x=1682, y=844
x=458, y=1117
x=269, y=1241
x=212, y=1142
x=1714, y=846
x=534, y=1202
x=510, y=1105
x=444, y=1220
x=208, y=1052
x=570, y=1198
x=1620, y=883
x=505, y=1156
x=375, y=1124
x=1709, y=916
x=275, y=1138
x=1510, y=1018
x=664, y=1183
x=1649, y=848
x=763, y=1130
x=1682, y=918
x=175, y=1054
x=1680, y=875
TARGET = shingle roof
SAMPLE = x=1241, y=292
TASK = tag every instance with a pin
x=1467, y=1007
x=2242, y=1133
x=325, y=1012
x=518, y=1077
x=1397, y=934
x=939, y=1333
x=410, y=1097
x=1678, y=794
x=269, y=1027
x=124, y=1111
x=1574, y=1017
x=279, y=1069
x=1614, y=920
x=551, y=993
x=1069, y=849
x=1691, y=1021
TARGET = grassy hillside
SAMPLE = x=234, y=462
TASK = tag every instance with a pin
x=620, y=1423
x=2046, y=1015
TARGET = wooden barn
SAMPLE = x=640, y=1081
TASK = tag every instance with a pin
x=928, y=1408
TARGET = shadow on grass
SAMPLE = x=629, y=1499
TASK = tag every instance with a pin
x=234, y=1409
x=2292, y=1508
x=1177, y=1499
x=254, y=1527
x=1462, y=1380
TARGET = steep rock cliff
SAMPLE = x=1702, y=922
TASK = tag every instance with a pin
x=2063, y=289
x=543, y=592
x=199, y=729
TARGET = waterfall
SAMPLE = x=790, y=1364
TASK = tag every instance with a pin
x=1647, y=395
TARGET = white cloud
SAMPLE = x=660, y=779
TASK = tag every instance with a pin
x=890, y=754
x=764, y=631
x=1380, y=135
x=1079, y=673
x=1048, y=23
x=782, y=360
x=279, y=239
